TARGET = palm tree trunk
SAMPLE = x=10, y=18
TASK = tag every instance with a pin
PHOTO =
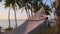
x=28, y=13
x=31, y=11
x=57, y=17
x=9, y=17
x=15, y=15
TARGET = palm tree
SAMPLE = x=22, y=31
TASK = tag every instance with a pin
x=57, y=17
x=13, y=3
x=15, y=15
x=35, y=6
x=38, y=4
x=9, y=16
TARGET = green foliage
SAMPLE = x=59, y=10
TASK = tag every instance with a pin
x=54, y=3
x=47, y=9
x=42, y=31
x=36, y=5
x=0, y=0
x=8, y=2
x=49, y=31
x=8, y=29
x=12, y=2
x=37, y=8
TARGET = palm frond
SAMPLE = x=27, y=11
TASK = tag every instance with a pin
x=0, y=0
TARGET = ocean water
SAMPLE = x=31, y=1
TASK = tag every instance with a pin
x=5, y=23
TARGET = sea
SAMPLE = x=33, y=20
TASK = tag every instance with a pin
x=5, y=23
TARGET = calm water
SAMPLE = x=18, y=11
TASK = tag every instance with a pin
x=5, y=23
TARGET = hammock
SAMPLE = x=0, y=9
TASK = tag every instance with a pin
x=30, y=24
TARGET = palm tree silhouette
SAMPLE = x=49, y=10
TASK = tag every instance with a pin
x=35, y=6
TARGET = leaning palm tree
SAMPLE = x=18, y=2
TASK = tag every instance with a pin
x=35, y=6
